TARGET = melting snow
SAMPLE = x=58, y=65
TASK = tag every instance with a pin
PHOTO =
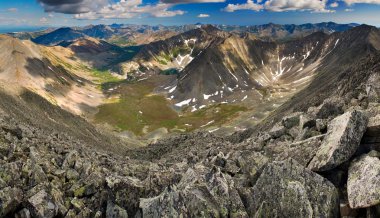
x=183, y=103
x=245, y=97
x=172, y=89
x=209, y=123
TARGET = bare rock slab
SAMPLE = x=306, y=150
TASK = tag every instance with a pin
x=363, y=185
x=342, y=140
x=287, y=189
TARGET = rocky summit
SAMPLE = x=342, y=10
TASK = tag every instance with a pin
x=94, y=128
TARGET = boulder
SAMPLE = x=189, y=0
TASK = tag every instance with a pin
x=363, y=185
x=341, y=141
x=301, y=151
x=306, y=121
x=277, y=131
x=373, y=127
x=10, y=199
x=330, y=107
x=200, y=193
x=41, y=205
x=114, y=211
x=291, y=120
x=287, y=189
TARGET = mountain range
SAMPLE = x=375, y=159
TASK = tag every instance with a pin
x=191, y=121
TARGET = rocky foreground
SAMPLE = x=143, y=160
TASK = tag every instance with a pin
x=321, y=163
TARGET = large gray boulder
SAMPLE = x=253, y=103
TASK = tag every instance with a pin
x=287, y=189
x=342, y=140
x=201, y=193
x=363, y=185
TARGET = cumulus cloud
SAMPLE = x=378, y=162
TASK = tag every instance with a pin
x=190, y=1
x=351, y=2
x=296, y=5
x=281, y=5
x=250, y=5
x=129, y=9
x=203, y=15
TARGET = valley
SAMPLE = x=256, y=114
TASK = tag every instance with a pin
x=203, y=78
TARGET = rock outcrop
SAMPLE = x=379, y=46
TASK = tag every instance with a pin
x=341, y=142
x=363, y=186
x=287, y=189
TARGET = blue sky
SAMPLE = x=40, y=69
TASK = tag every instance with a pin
x=37, y=13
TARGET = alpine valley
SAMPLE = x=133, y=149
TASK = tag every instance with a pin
x=191, y=121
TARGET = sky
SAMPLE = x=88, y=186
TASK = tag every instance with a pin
x=29, y=14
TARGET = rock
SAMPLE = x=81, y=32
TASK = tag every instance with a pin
x=10, y=199
x=200, y=193
x=373, y=127
x=70, y=160
x=72, y=174
x=41, y=205
x=306, y=121
x=24, y=213
x=252, y=164
x=78, y=204
x=363, y=185
x=301, y=151
x=277, y=131
x=330, y=107
x=341, y=141
x=114, y=211
x=321, y=125
x=286, y=189
x=291, y=120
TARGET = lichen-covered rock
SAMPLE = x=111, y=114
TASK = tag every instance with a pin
x=114, y=211
x=41, y=205
x=301, y=151
x=341, y=142
x=329, y=108
x=10, y=198
x=277, y=130
x=201, y=193
x=287, y=189
x=363, y=185
x=291, y=120
x=373, y=127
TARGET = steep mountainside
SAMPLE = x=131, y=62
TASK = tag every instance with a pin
x=57, y=36
x=98, y=53
x=45, y=71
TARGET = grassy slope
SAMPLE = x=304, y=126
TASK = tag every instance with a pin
x=140, y=111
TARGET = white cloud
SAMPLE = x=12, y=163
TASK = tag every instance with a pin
x=190, y=1
x=12, y=9
x=348, y=10
x=296, y=5
x=334, y=5
x=44, y=20
x=350, y=2
x=130, y=8
x=250, y=5
x=319, y=6
x=203, y=15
